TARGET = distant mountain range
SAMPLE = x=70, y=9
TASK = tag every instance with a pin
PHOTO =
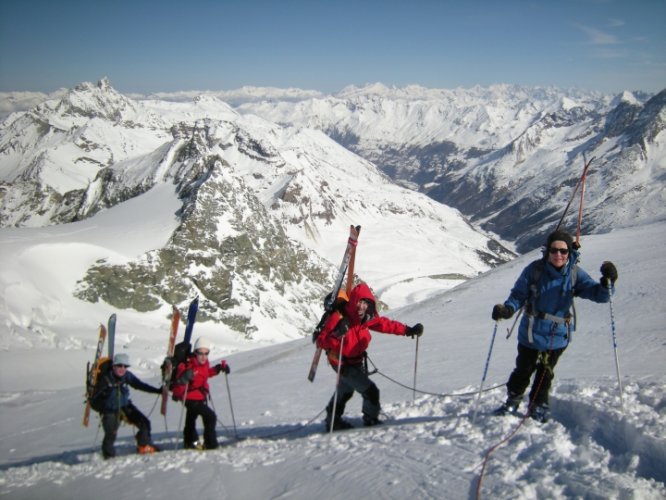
x=265, y=207
x=507, y=157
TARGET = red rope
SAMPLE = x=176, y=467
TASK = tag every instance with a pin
x=515, y=430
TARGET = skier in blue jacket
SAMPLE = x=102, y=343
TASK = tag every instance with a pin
x=112, y=401
x=546, y=289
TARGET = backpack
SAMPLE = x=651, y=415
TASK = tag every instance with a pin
x=102, y=370
x=181, y=352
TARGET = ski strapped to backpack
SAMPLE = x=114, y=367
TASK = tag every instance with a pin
x=580, y=184
x=111, y=333
x=167, y=366
x=92, y=374
x=183, y=349
x=329, y=301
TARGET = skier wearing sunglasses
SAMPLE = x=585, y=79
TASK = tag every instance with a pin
x=545, y=291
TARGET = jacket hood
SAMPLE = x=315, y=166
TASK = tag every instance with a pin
x=359, y=292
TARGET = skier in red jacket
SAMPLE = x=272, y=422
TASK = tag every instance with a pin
x=192, y=386
x=358, y=318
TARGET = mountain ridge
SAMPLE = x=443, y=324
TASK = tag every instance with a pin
x=470, y=148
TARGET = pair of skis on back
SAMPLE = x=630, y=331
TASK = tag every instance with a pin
x=92, y=370
x=346, y=267
x=168, y=366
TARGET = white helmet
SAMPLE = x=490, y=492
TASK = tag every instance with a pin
x=202, y=343
x=121, y=359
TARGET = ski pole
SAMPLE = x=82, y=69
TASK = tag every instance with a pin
x=182, y=410
x=337, y=383
x=617, y=362
x=485, y=372
x=231, y=405
x=219, y=420
x=154, y=405
x=416, y=361
x=515, y=322
x=97, y=433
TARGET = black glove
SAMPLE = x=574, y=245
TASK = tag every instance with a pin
x=341, y=328
x=168, y=361
x=608, y=274
x=223, y=367
x=500, y=311
x=186, y=377
x=329, y=302
x=414, y=331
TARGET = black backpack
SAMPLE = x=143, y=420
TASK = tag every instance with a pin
x=181, y=352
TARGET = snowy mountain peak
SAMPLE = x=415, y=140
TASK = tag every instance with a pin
x=376, y=89
x=88, y=101
x=568, y=104
x=627, y=97
x=104, y=84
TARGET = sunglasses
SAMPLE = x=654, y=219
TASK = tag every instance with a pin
x=562, y=251
x=201, y=353
x=121, y=366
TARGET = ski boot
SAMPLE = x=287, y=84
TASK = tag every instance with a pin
x=339, y=424
x=510, y=407
x=540, y=413
x=146, y=449
x=196, y=445
x=370, y=421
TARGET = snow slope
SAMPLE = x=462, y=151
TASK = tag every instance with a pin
x=428, y=447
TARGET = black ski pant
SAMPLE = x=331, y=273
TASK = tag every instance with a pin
x=355, y=378
x=527, y=362
x=111, y=422
x=201, y=409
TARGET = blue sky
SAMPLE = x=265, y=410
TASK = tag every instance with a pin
x=159, y=46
